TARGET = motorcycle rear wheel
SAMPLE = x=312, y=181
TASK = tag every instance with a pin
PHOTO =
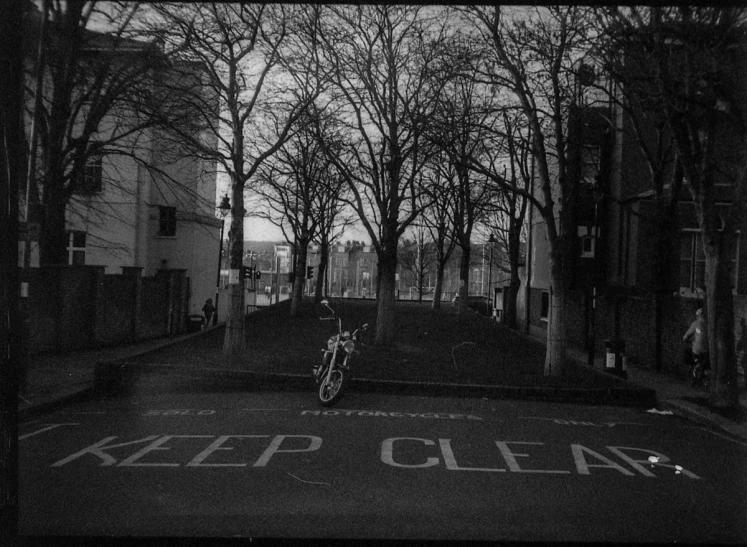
x=331, y=389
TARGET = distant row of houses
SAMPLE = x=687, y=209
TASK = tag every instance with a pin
x=352, y=270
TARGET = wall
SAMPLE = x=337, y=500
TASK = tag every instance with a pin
x=637, y=319
x=78, y=307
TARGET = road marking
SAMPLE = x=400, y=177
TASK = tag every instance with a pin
x=274, y=447
x=264, y=409
x=309, y=482
x=179, y=412
x=387, y=414
x=217, y=445
x=413, y=452
x=51, y=426
x=714, y=433
x=581, y=422
x=581, y=458
x=513, y=465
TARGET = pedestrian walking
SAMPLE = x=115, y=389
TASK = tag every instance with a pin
x=208, y=310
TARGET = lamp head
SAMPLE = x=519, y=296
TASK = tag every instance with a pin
x=224, y=207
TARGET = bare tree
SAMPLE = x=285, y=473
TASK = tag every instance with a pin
x=534, y=53
x=461, y=129
x=388, y=76
x=693, y=57
x=298, y=186
x=417, y=258
x=260, y=66
x=506, y=217
x=438, y=217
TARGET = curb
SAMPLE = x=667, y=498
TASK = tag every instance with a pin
x=72, y=396
x=115, y=376
x=704, y=417
x=89, y=388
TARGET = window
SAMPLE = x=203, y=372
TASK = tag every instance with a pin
x=166, y=221
x=692, y=263
x=590, y=161
x=89, y=181
x=545, y=306
x=76, y=248
x=587, y=246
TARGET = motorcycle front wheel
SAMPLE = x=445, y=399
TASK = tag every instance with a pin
x=331, y=388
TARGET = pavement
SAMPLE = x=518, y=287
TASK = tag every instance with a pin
x=54, y=380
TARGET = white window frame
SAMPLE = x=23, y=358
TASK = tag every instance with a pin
x=691, y=290
x=545, y=313
x=72, y=248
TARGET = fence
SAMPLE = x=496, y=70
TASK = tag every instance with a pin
x=77, y=307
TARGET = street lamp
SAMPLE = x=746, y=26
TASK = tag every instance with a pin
x=224, y=208
x=598, y=195
x=491, y=240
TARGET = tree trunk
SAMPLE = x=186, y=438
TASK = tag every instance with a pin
x=509, y=297
x=52, y=235
x=720, y=320
x=556, y=328
x=666, y=232
x=386, y=282
x=234, y=342
x=436, y=304
x=300, y=277
x=464, y=278
x=322, y=273
x=509, y=300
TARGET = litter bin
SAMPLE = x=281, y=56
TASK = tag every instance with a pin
x=195, y=322
x=616, y=362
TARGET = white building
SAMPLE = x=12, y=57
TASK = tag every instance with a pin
x=144, y=205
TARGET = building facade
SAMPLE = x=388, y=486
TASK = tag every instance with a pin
x=639, y=274
x=145, y=206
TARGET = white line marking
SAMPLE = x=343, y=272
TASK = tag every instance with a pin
x=715, y=433
x=309, y=482
x=264, y=409
x=52, y=426
x=580, y=422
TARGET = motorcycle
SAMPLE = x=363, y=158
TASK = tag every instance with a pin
x=333, y=373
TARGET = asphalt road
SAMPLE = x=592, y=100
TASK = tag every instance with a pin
x=235, y=463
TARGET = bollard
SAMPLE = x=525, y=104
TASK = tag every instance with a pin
x=621, y=363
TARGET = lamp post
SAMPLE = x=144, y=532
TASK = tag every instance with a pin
x=598, y=195
x=491, y=240
x=223, y=209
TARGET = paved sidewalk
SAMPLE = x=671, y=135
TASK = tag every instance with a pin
x=53, y=380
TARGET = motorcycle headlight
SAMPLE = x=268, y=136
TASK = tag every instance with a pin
x=349, y=346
